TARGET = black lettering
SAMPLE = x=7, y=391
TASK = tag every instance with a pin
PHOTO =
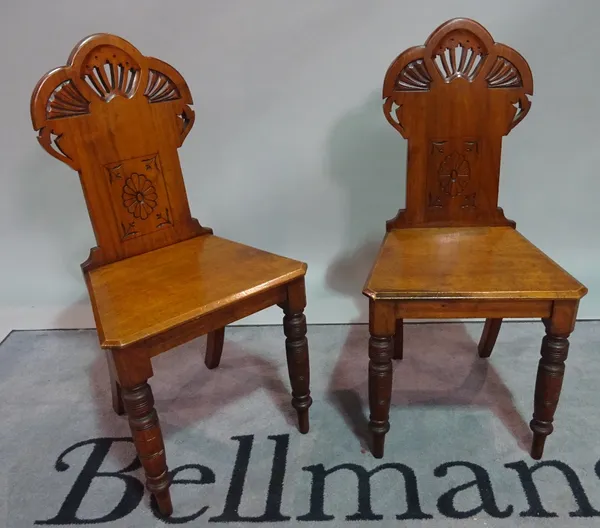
x=206, y=477
x=364, y=512
x=486, y=494
x=236, y=487
x=134, y=489
x=536, y=508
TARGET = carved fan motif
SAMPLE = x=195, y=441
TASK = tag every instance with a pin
x=110, y=71
x=160, y=88
x=453, y=99
x=504, y=75
x=66, y=101
x=414, y=77
x=460, y=54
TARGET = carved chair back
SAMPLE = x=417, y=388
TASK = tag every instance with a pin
x=453, y=99
x=118, y=118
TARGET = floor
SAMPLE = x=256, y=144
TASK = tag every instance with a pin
x=456, y=452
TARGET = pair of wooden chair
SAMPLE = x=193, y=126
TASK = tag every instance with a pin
x=158, y=278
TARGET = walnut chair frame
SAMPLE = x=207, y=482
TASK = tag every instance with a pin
x=157, y=278
x=452, y=252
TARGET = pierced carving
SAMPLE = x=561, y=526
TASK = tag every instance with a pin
x=51, y=142
x=160, y=88
x=109, y=72
x=139, y=196
x=504, y=74
x=414, y=77
x=459, y=54
x=454, y=174
x=66, y=101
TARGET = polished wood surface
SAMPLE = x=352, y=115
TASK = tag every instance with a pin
x=466, y=263
x=452, y=252
x=146, y=295
x=157, y=278
x=117, y=118
x=453, y=99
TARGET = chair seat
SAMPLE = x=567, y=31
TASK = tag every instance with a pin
x=148, y=294
x=466, y=263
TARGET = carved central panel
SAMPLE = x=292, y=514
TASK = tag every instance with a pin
x=452, y=167
x=139, y=196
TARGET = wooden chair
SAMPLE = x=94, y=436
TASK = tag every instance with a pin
x=157, y=278
x=451, y=252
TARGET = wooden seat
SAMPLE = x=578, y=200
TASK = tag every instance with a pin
x=206, y=284
x=466, y=263
x=157, y=278
x=452, y=252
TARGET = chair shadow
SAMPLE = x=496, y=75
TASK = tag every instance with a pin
x=440, y=368
x=365, y=153
x=186, y=392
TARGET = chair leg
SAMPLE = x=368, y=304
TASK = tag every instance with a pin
x=214, y=348
x=148, y=440
x=115, y=388
x=399, y=339
x=551, y=369
x=296, y=346
x=488, y=337
x=380, y=390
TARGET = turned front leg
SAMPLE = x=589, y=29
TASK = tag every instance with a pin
x=551, y=370
x=380, y=390
x=148, y=441
x=296, y=347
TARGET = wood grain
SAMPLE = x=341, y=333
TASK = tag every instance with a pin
x=157, y=278
x=146, y=295
x=123, y=142
x=452, y=252
x=466, y=263
x=453, y=99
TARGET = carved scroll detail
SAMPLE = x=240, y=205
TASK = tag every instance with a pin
x=66, y=101
x=504, y=74
x=51, y=143
x=414, y=77
x=160, y=88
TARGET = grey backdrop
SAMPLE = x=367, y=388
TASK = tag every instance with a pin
x=290, y=151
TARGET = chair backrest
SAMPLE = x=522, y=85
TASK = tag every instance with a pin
x=117, y=118
x=453, y=99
